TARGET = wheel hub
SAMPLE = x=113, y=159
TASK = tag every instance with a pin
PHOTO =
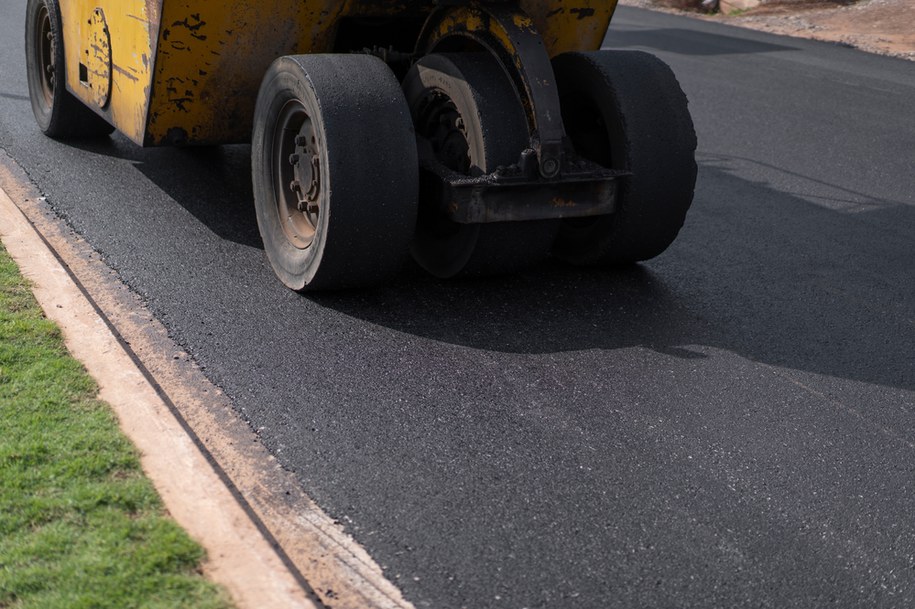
x=307, y=171
x=47, y=51
x=297, y=166
x=438, y=120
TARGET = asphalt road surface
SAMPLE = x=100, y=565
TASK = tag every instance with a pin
x=729, y=425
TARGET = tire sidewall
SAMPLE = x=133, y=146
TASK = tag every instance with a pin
x=436, y=252
x=67, y=116
x=285, y=82
x=456, y=76
x=651, y=134
x=580, y=235
x=369, y=171
x=45, y=115
x=496, y=135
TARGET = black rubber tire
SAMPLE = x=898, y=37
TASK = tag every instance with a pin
x=59, y=114
x=496, y=132
x=368, y=171
x=626, y=110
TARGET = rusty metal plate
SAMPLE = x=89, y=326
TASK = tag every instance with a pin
x=98, y=59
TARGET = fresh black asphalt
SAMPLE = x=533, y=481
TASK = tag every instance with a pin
x=729, y=425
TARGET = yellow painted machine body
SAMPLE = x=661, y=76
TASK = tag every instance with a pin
x=174, y=72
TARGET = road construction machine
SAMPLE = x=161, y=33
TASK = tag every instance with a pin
x=478, y=137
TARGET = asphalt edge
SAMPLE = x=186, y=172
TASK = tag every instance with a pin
x=57, y=290
x=322, y=560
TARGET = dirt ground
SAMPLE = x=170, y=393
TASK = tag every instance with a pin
x=885, y=27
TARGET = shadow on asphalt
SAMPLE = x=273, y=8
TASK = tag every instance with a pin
x=14, y=96
x=548, y=309
x=213, y=183
x=758, y=272
x=761, y=273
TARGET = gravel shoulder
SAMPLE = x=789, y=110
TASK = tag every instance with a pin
x=884, y=27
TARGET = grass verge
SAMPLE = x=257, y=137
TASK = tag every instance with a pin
x=80, y=526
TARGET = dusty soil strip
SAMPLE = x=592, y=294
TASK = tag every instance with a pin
x=884, y=27
x=313, y=553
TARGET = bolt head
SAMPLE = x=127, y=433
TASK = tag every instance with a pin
x=550, y=167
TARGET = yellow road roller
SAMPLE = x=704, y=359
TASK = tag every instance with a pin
x=479, y=137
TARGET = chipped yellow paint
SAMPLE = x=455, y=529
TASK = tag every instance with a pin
x=522, y=21
x=98, y=59
x=213, y=56
x=188, y=71
x=473, y=19
x=130, y=56
x=570, y=25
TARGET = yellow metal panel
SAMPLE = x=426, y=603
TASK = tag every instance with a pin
x=213, y=55
x=571, y=25
x=188, y=71
x=131, y=57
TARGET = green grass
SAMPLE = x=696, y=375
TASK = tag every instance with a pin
x=80, y=526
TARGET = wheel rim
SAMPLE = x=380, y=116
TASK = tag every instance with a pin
x=297, y=174
x=467, y=109
x=45, y=51
x=438, y=119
